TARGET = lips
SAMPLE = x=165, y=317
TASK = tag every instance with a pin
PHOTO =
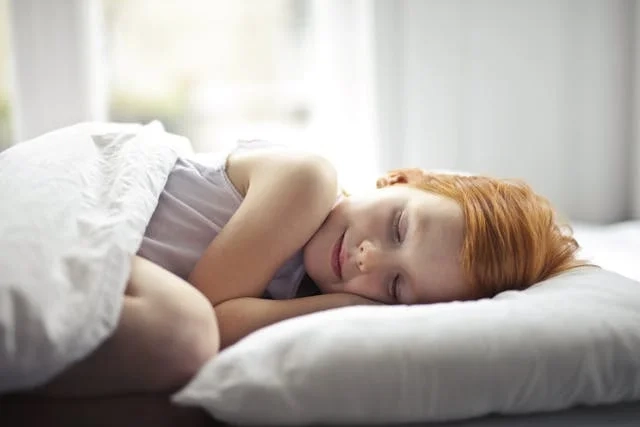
x=336, y=261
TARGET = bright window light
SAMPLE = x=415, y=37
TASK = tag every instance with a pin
x=214, y=71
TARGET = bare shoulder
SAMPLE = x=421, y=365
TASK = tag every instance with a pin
x=287, y=195
x=282, y=167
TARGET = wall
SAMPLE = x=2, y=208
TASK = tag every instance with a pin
x=540, y=90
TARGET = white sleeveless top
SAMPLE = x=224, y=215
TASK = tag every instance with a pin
x=197, y=201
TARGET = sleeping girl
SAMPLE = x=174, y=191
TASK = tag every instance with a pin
x=241, y=241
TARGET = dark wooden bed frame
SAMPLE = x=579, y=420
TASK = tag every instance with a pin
x=125, y=411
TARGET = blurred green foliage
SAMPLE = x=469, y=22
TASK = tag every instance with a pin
x=5, y=108
x=169, y=108
x=5, y=122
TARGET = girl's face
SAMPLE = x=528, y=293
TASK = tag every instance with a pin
x=396, y=245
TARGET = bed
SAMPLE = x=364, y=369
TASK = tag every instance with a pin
x=599, y=243
x=268, y=376
x=614, y=246
x=156, y=411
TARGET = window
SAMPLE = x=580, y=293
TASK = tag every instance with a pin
x=5, y=110
x=213, y=71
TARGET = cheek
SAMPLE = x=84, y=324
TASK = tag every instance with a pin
x=317, y=250
x=371, y=223
x=326, y=234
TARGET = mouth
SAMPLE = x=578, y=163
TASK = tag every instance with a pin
x=336, y=258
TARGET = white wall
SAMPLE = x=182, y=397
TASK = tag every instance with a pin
x=540, y=90
x=58, y=65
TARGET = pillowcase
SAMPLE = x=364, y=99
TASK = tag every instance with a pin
x=573, y=339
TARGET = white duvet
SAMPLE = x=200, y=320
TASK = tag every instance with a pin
x=74, y=204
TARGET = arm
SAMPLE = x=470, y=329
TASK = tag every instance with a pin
x=287, y=195
x=239, y=317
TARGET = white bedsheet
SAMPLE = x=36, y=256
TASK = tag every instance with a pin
x=615, y=247
x=74, y=204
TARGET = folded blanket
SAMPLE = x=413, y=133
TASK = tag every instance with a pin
x=74, y=205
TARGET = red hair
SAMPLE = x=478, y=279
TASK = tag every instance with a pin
x=512, y=238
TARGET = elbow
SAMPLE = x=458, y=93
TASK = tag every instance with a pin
x=197, y=341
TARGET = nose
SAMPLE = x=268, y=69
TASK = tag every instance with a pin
x=368, y=257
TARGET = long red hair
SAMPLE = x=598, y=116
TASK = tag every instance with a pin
x=512, y=238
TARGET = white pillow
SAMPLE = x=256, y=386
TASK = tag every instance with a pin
x=573, y=339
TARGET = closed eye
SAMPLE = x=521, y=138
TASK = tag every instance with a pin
x=394, y=287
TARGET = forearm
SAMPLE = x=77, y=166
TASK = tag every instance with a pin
x=239, y=317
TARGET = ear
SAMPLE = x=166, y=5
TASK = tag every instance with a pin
x=392, y=178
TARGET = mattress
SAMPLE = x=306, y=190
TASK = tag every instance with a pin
x=615, y=247
x=155, y=411
x=620, y=415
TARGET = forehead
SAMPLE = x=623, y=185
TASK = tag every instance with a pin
x=436, y=234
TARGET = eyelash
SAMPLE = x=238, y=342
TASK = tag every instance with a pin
x=394, y=287
x=398, y=239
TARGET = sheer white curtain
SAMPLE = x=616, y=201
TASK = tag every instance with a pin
x=344, y=111
x=541, y=90
x=58, y=67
